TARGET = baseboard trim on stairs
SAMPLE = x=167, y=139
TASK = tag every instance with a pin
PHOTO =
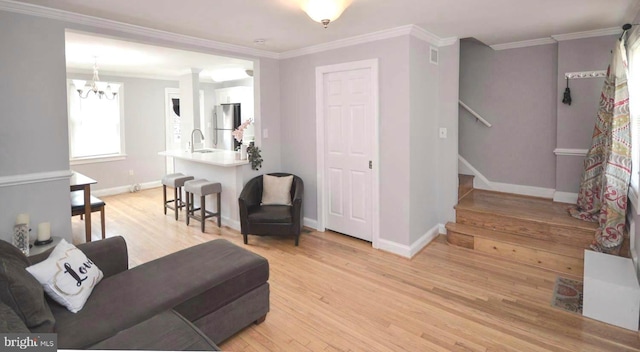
x=410, y=251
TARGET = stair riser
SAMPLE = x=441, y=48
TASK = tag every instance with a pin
x=557, y=234
x=542, y=259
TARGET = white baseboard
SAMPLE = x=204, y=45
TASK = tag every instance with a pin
x=481, y=182
x=124, y=189
x=234, y=224
x=311, y=223
x=523, y=190
x=414, y=248
x=443, y=229
x=565, y=197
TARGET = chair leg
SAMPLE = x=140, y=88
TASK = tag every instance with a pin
x=219, y=210
x=245, y=238
x=164, y=198
x=297, y=240
x=102, y=222
x=175, y=202
x=188, y=208
x=202, y=213
x=179, y=202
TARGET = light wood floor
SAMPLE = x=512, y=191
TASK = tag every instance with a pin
x=336, y=293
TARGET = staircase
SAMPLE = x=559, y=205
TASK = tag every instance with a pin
x=528, y=230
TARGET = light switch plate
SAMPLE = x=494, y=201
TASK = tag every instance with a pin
x=265, y=133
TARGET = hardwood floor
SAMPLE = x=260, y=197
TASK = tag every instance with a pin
x=336, y=293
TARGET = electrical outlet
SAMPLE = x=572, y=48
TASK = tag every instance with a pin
x=131, y=173
x=443, y=133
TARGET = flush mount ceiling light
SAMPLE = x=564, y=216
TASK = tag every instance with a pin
x=101, y=89
x=325, y=11
x=229, y=74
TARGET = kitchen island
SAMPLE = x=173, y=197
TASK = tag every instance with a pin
x=215, y=165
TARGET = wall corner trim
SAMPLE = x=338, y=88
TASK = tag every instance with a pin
x=38, y=177
x=570, y=152
x=413, y=249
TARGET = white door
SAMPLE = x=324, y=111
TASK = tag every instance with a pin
x=348, y=142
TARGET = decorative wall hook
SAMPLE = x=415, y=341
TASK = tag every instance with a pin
x=566, y=99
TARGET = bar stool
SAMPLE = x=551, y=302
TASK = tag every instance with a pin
x=176, y=181
x=202, y=188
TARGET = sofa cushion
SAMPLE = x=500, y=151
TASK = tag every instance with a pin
x=271, y=214
x=67, y=276
x=276, y=190
x=10, y=322
x=22, y=292
x=133, y=296
x=166, y=331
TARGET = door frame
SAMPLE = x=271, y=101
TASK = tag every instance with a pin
x=372, y=65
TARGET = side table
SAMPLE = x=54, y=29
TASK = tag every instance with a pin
x=35, y=250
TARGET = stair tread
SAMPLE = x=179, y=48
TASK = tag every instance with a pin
x=523, y=207
x=551, y=247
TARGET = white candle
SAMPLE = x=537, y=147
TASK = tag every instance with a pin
x=22, y=219
x=44, y=231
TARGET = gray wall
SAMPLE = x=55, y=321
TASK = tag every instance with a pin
x=423, y=140
x=144, y=125
x=575, y=122
x=515, y=90
x=34, y=137
x=299, y=121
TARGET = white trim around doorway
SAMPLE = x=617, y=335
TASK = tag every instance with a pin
x=371, y=64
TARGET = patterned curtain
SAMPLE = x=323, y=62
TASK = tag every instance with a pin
x=607, y=167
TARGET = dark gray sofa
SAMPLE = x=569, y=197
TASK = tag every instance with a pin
x=188, y=300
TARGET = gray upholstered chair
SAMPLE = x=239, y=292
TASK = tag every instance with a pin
x=270, y=220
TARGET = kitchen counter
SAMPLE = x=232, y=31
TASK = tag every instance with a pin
x=215, y=166
x=217, y=157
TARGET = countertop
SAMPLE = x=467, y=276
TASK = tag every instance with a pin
x=217, y=157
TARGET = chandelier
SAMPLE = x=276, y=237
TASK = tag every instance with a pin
x=97, y=87
x=325, y=11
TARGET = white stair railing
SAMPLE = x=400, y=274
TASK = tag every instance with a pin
x=475, y=114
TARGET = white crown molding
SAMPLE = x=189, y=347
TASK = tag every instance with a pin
x=55, y=14
x=410, y=29
x=570, y=152
x=38, y=177
x=523, y=44
x=558, y=38
x=587, y=34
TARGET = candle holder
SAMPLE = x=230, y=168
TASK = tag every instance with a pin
x=21, y=238
x=42, y=243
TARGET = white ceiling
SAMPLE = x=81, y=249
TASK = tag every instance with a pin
x=120, y=57
x=285, y=27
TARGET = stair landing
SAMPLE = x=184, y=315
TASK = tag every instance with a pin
x=535, y=231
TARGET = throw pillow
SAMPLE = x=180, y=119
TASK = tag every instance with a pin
x=21, y=292
x=10, y=322
x=68, y=276
x=276, y=190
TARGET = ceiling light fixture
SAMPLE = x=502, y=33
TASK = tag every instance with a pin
x=325, y=11
x=101, y=89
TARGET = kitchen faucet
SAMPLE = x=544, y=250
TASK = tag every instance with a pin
x=192, y=135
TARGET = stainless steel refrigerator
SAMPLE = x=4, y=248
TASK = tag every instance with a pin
x=227, y=118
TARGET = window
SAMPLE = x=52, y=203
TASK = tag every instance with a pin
x=96, y=129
